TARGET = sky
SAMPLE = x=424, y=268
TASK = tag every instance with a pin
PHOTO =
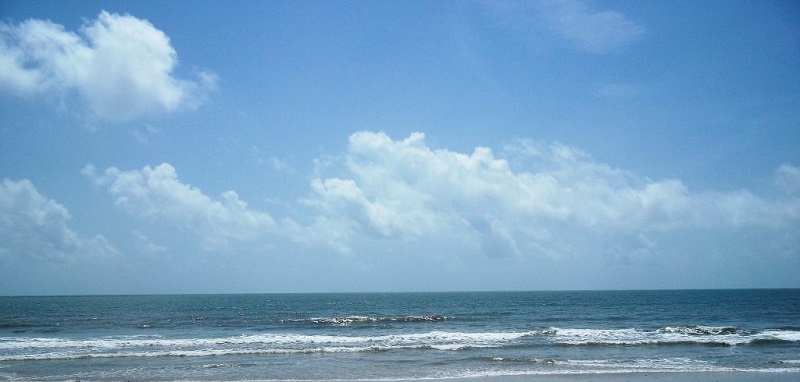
x=377, y=146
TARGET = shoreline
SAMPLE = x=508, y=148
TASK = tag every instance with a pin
x=702, y=376
x=688, y=376
x=715, y=376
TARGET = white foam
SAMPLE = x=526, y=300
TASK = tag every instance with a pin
x=669, y=335
x=356, y=319
x=599, y=366
x=599, y=336
x=18, y=348
x=782, y=335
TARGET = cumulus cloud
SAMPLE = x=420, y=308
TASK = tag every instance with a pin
x=156, y=192
x=34, y=226
x=558, y=198
x=119, y=66
x=529, y=199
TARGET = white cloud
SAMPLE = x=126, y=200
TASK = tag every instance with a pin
x=156, y=192
x=558, y=202
x=119, y=66
x=546, y=200
x=33, y=226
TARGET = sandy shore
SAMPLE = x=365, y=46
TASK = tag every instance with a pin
x=635, y=377
x=632, y=377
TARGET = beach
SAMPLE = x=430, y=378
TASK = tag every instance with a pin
x=615, y=377
x=637, y=377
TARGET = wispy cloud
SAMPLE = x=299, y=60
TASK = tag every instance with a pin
x=787, y=180
x=144, y=133
x=119, y=66
x=589, y=30
x=144, y=245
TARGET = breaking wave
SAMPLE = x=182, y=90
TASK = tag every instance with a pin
x=707, y=335
x=27, y=348
x=348, y=320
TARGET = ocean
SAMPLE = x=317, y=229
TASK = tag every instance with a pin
x=397, y=335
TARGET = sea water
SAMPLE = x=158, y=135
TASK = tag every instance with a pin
x=397, y=335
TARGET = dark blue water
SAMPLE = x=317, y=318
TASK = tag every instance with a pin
x=393, y=336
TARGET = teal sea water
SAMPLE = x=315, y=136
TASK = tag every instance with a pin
x=397, y=335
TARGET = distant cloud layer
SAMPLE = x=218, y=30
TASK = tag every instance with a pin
x=119, y=66
x=398, y=201
x=158, y=193
x=35, y=227
x=537, y=200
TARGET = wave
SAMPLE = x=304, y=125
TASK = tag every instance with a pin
x=703, y=330
x=27, y=348
x=673, y=363
x=706, y=335
x=20, y=348
x=551, y=366
x=348, y=320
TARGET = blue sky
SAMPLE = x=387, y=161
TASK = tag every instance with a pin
x=202, y=147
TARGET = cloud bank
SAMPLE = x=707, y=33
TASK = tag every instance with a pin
x=119, y=66
x=405, y=189
x=529, y=201
x=33, y=226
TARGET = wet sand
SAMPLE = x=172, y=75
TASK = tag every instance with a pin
x=636, y=377
x=630, y=377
